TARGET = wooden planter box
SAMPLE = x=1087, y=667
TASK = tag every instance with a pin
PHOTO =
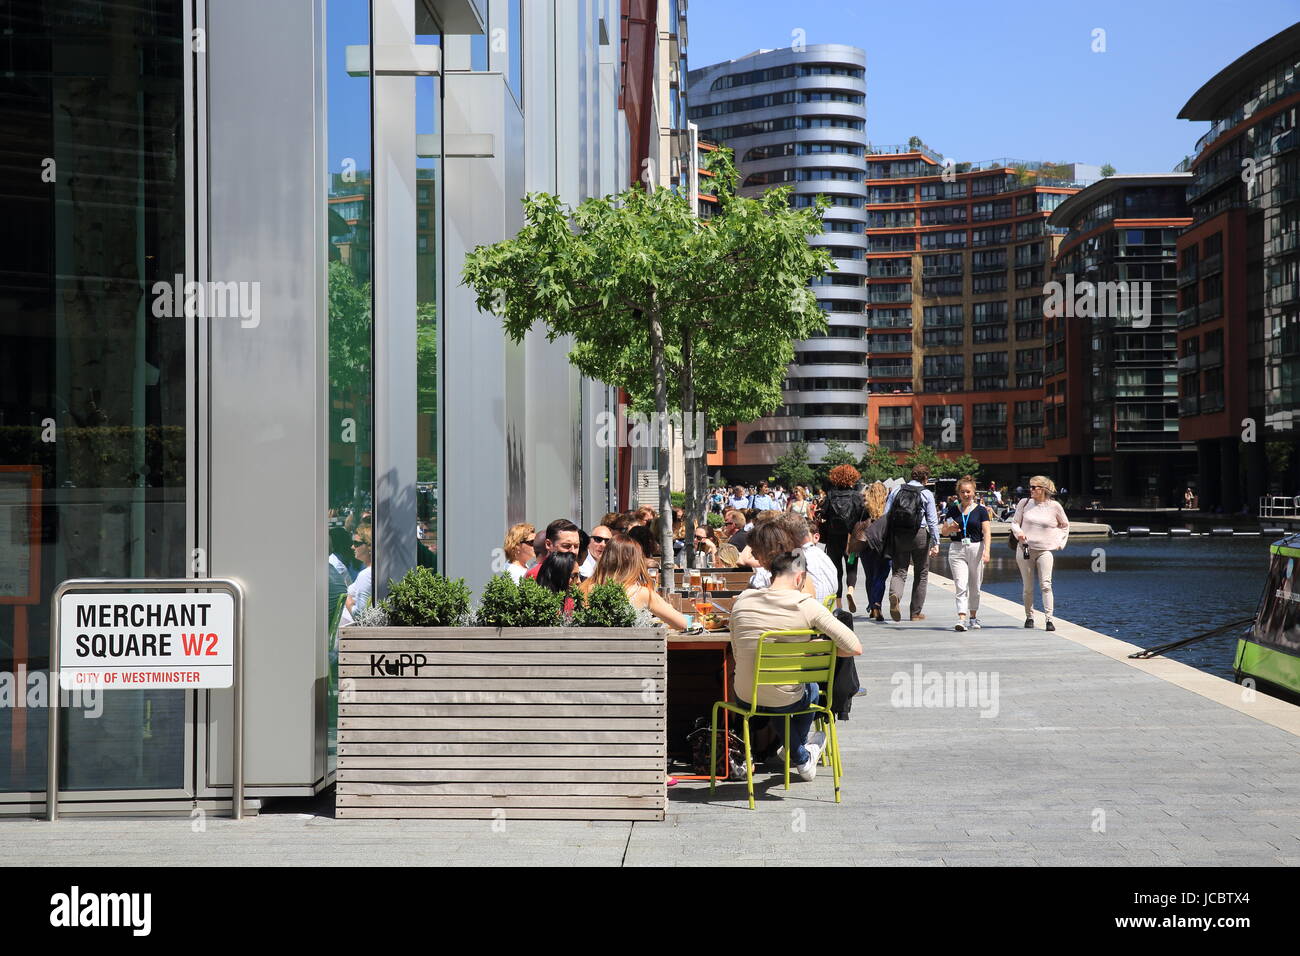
x=523, y=723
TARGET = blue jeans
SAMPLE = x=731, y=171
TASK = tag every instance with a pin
x=799, y=726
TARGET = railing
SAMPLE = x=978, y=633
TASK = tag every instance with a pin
x=1189, y=362
x=1211, y=401
x=1240, y=114
x=880, y=294
x=1279, y=506
x=1211, y=309
x=1188, y=405
x=1282, y=294
x=941, y=270
x=1187, y=317
x=1054, y=367
x=980, y=268
x=1211, y=265
x=889, y=371
x=1187, y=275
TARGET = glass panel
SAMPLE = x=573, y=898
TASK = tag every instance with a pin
x=351, y=489
x=92, y=364
x=427, y=173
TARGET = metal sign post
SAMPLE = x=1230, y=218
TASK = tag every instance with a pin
x=145, y=586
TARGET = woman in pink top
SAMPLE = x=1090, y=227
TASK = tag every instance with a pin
x=1041, y=527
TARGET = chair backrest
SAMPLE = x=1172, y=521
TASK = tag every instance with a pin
x=792, y=662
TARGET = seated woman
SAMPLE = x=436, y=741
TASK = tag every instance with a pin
x=783, y=606
x=770, y=539
x=560, y=574
x=624, y=562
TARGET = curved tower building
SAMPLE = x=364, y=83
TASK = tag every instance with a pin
x=798, y=118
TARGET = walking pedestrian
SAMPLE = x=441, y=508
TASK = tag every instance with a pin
x=876, y=563
x=969, y=527
x=913, y=538
x=843, y=510
x=1040, y=527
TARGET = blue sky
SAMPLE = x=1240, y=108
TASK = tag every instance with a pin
x=988, y=81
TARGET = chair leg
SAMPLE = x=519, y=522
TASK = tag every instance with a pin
x=834, y=741
x=749, y=766
x=713, y=750
x=789, y=744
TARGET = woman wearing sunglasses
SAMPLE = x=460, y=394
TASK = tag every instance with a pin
x=1040, y=527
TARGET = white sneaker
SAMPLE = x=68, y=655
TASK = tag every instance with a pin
x=818, y=739
x=959, y=626
x=809, y=770
x=975, y=624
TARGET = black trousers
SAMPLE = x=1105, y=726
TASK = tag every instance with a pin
x=835, y=545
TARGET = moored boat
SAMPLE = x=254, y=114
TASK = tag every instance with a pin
x=1269, y=653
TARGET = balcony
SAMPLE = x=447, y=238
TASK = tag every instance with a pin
x=1189, y=363
x=1187, y=275
x=979, y=268
x=1211, y=309
x=1288, y=193
x=1283, y=242
x=1188, y=317
x=1284, y=294
x=880, y=294
x=929, y=271
x=1211, y=402
x=1212, y=265
x=1211, y=358
x=889, y=322
x=1054, y=367
x=889, y=371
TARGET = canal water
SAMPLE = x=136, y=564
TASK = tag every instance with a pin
x=1152, y=591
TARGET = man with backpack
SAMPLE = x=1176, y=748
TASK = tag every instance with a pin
x=913, y=537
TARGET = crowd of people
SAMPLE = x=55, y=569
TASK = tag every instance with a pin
x=804, y=550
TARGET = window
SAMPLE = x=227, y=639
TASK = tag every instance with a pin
x=943, y=427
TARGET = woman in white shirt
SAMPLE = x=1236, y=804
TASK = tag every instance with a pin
x=1040, y=527
x=518, y=548
x=359, y=591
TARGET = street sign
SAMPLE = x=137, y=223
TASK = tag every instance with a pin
x=139, y=640
x=647, y=488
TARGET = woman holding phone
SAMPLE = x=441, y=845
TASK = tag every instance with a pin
x=969, y=527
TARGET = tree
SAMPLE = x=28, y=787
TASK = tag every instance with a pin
x=792, y=468
x=879, y=464
x=924, y=455
x=963, y=465
x=641, y=285
x=1107, y=170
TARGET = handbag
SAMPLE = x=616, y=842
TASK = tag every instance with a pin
x=858, y=537
x=731, y=752
x=1012, y=543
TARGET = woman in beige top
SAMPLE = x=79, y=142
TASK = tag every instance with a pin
x=799, y=503
x=783, y=606
x=1040, y=527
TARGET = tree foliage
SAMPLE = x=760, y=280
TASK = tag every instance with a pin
x=792, y=468
x=837, y=453
x=879, y=464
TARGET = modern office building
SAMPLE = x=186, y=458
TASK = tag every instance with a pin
x=339, y=371
x=1239, y=279
x=798, y=117
x=1110, y=359
x=957, y=258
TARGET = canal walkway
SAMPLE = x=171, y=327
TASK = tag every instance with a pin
x=1064, y=752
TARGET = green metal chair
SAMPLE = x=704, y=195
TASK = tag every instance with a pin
x=784, y=662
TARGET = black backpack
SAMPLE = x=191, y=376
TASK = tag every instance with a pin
x=908, y=510
x=843, y=511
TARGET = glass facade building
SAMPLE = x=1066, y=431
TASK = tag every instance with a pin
x=234, y=342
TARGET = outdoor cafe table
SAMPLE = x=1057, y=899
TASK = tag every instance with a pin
x=699, y=674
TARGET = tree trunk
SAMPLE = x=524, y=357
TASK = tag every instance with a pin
x=688, y=410
x=664, y=455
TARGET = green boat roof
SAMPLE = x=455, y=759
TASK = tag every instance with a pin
x=1288, y=546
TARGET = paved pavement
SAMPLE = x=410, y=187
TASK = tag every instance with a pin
x=1070, y=756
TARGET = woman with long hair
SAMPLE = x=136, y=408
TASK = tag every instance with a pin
x=624, y=562
x=799, y=503
x=876, y=565
x=1041, y=528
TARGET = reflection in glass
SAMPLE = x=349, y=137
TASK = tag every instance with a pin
x=92, y=378
x=348, y=192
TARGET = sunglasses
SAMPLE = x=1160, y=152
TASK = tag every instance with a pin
x=597, y=539
x=358, y=544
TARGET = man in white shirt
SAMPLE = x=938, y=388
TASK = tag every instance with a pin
x=913, y=539
x=820, y=567
x=600, y=536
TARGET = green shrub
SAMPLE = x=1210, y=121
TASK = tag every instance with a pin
x=538, y=606
x=425, y=599
x=500, y=606
x=606, y=606
x=678, y=498
x=714, y=519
